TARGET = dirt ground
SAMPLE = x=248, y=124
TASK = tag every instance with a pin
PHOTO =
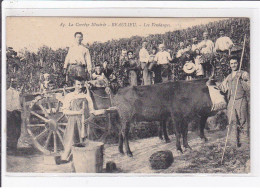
x=203, y=158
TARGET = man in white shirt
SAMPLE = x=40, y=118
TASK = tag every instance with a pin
x=78, y=60
x=14, y=119
x=144, y=59
x=73, y=108
x=163, y=59
x=223, y=43
x=206, y=46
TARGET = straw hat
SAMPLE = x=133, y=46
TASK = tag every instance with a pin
x=189, y=68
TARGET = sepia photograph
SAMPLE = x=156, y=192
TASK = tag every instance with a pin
x=128, y=95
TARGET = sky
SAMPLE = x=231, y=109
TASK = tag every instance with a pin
x=58, y=32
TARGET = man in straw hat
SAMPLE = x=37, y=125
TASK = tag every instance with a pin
x=239, y=126
x=163, y=59
x=189, y=67
x=78, y=60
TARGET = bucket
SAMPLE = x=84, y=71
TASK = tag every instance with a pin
x=88, y=157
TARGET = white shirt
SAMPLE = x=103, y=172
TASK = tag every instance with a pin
x=98, y=77
x=179, y=53
x=194, y=47
x=144, y=55
x=80, y=55
x=198, y=66
x=223, y=43
x=72, y=96
x=13, y=100
x=206, y=46
x=162, y=57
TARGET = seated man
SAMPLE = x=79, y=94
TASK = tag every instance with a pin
x=99, y=78
x=74, y=109
x=108, y=72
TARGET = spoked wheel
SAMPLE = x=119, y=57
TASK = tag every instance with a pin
x=99, y=127
x=46, y=124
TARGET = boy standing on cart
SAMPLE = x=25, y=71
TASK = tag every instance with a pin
x=76, y=104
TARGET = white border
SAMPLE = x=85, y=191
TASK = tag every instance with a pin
x=140, y=9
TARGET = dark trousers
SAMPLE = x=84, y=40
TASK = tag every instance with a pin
x=157, y=74
x=166, y=72
x=207, y=68
x=239, y=126
x=75, y=70
x=14, y=122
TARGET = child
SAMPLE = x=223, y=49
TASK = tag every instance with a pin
x=44, y=86
x=99, y=79
x=199, y=69
x=98, y=74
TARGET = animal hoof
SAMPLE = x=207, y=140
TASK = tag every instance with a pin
x=188, y=147
x=160, y=138
x=180, y=151
x=167, y=140
x=206, y=140
x=130, y=154
x=121, y=152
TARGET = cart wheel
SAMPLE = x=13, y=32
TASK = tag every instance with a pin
x=46, y=124
x=99, y=128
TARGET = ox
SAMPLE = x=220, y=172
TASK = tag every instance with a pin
x=180, y=101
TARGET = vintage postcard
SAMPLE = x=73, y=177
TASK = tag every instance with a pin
x=128, y=95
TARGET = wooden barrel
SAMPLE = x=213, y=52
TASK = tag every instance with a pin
x=88, y=157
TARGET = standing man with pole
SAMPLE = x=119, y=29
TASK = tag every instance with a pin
x=237, y=85
x=78, y=60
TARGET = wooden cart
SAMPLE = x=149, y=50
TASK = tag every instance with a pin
x=46, y=123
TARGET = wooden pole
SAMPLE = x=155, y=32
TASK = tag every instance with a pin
x=231, y=113
x=83, y=120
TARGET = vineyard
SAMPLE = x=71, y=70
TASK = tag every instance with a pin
x=27, y=66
